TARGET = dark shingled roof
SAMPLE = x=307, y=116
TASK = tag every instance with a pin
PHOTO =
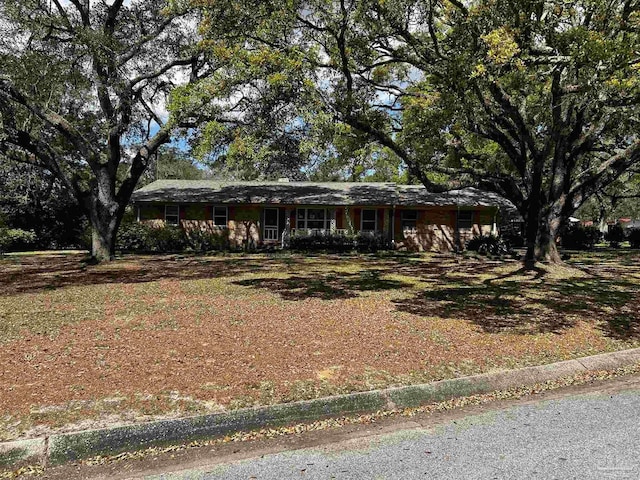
x=309, y=193
x=409, y=195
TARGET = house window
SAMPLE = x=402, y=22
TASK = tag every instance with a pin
x=172, y=214
x=369, y=222
x=465, y=219
x=313, y=218
x=409, y=219
x=220, y=216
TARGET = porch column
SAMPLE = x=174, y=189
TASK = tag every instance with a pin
x=349, y=220
x=494, y=225
x=332, y=220
x=286, y=233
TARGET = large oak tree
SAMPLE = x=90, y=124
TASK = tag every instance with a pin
x=535, y=100
x=83, y=88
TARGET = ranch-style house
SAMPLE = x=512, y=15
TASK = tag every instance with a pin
x=270, y=213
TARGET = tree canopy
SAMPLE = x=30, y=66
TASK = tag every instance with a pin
x=83, y=93
x=170, y=162
x=535, y=100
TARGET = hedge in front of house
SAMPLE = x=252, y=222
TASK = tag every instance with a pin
x=371, y=243
x=205, y=241
x=338, y=243
x=334, y=243
x=577, y=237
x=634, y=237
x=140, y=237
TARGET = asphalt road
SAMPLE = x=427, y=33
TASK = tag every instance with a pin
x=590, y=434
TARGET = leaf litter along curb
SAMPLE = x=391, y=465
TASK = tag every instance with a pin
x=333, y=423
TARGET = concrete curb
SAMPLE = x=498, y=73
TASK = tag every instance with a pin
x=61, y=448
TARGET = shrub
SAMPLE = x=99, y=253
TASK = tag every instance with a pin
x=133, y=237
x=167, y=239
x=339, y=243
x=615, y=235
x=15, y=240
x=332, y=242
x=370, y=243
x=634, y=237
x=577, y=237
x=205, y=241
x=489, y=245
x=139, y=237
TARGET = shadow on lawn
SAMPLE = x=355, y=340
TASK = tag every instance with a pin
x=332, y=286
x=318, y=281
x=28, y=274
x=32, y=274
x=503, y=305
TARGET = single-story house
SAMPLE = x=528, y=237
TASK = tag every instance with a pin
x=270, y=213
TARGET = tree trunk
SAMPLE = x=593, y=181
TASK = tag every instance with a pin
x=105, y=214
x=531, y=229
x=546, y=243
x=542, y=237
x=103, y=235
x=102, y=244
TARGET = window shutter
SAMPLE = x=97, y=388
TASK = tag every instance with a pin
x=339, y=218
x=357, y=224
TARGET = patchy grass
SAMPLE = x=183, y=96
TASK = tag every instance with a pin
x=167, y=335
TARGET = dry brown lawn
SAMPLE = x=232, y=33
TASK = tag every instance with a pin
x=163, y=335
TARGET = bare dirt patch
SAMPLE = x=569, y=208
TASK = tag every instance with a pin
x=157, y=335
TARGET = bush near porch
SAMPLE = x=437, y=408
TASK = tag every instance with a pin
x=331, y=242
x=146, y=336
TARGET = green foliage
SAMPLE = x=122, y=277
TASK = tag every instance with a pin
x=82, y=91
x=615, y=235
x=141, y=237
x=134, y=237
x=206, y=241
x=489, y=245
x=168, y=239
x=14, y=240
x=617, y=200
x=172, y=163
x=330, y=242
x=282, y=125
x=32, y=200
x=371, y=243
x=578, y=237
x=339, y=243
x=633, y=235
x=522, y=98
x=513, y=239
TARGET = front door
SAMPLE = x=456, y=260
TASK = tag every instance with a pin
x=271, y=226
